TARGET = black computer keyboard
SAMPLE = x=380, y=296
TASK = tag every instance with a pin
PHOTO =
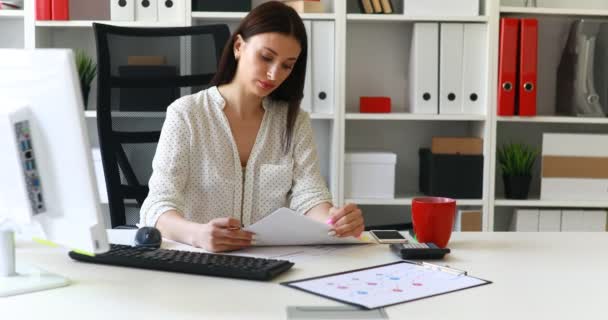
x=208, y=264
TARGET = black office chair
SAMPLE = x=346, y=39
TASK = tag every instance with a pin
x=144, y=70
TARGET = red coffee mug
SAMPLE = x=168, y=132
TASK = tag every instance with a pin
x=433, y=219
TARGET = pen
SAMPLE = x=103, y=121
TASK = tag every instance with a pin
x=444, y=268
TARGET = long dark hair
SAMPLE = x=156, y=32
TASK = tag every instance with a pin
x=272, y=17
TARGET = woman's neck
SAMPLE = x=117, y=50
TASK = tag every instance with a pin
x=239, y=102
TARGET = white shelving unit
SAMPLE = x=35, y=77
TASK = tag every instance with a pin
x=371, y=57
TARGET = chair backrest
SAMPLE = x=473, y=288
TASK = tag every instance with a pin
x=140, y=72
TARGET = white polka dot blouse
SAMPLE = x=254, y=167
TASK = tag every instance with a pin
x=197, y=170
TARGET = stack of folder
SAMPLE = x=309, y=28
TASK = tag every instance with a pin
x=517, y=67
x=148, y=10
x=448, y=68
x=52, y=10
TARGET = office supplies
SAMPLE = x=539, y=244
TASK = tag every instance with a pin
x=146, y=10
x=450, y=68
x=334, y=313
x=416, y=250
x=306, y=6
x=549, y=220
x=507, y=66
x=377, y=6
x=43, y=10
x=60, y=9
x=468, y=220
x=366, y=6
x=576, y=89
x=218, y=265
x=322, y=59
x=457, y=145
x=388, y=284
x=122, y=10
x=525, y=220
x=528, y=66
x=48, y=191
x=387, y=6
x=271, y=231
x=474, y=68
x=387, y=236
x=172, y=11
x=369, y=175
x=306, y=103
x=374, y=104
x=424, y=69
x=450, y=175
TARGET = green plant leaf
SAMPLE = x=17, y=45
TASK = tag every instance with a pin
x=516, y=159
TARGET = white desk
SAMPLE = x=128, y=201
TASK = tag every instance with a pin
x=535, y=275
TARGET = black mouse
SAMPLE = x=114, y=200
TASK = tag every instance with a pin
x=148, y=237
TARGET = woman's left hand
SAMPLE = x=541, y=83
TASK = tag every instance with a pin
x=346, y=221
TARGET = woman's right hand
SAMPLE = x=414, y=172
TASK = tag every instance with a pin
x=222, y=234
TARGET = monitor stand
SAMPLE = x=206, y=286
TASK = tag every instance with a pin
x=23, y=279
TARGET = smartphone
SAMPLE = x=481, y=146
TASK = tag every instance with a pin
x=388, y=236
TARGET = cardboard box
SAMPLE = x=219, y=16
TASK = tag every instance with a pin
x=468, y=221
x=369, y=175
x=574, y=167
x=457, y=145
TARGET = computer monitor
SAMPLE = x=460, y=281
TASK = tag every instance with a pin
x=47, y=183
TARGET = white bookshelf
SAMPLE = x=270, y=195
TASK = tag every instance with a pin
x=408, y=18
x=415, y=116
x=537, y=203
x=554, y=11
x=371, y=58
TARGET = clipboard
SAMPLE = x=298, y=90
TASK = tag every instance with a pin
x=388, y=284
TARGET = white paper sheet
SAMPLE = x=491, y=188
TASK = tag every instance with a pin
x=285, y=227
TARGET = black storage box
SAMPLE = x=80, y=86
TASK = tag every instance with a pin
x=147, y=99
x=222, y=5
x=453, y=176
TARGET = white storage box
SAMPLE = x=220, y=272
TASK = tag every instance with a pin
x=99, y=175
x=370, y=175
x=574, y=167
x=435, y=8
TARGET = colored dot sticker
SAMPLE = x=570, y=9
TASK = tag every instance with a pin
x=342, y=287
x=417, y=284
x=362, y=292
x=397, y=290
x=372, y=283
x=394, y=278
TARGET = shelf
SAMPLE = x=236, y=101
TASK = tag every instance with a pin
x=555, y=11
x=89, y=24
x=359, y=17
x=235, y=16
x=128, y=114
x=407, y=201
x=551, y=203
x=415, y=116
x=11, y=14
x=554, y=119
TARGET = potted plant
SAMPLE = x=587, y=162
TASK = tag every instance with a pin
x=87, y=70
x=516, y=161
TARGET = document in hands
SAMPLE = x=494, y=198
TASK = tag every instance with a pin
x=286, y=227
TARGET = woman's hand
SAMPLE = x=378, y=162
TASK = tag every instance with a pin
x=347, y=221
x=222, y=234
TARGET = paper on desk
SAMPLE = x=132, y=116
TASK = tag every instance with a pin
x=285, y=227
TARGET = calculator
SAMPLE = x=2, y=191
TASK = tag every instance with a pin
x=419, y=250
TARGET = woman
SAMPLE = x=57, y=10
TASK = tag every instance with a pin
x=233, y=153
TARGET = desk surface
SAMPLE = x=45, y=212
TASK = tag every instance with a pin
x=535, y=275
